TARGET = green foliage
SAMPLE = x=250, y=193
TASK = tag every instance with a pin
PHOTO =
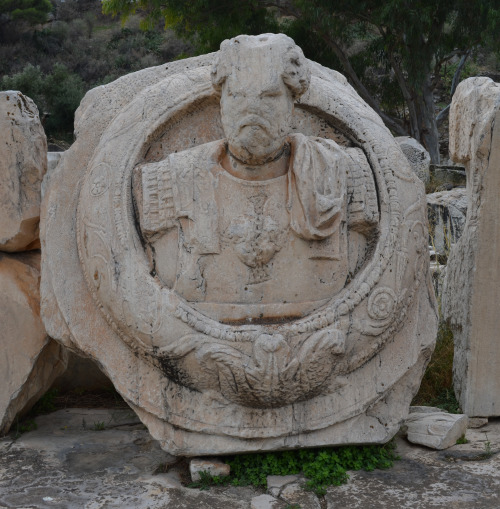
x=207, y=480
x=55, y=64
x=392, y=51
x=56, y=94
x=31, y=11
x=462, y=440
x=488, y=453
x=322, y=467
x=99, y=426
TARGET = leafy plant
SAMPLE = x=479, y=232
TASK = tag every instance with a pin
x=462, y=440
x=322, y=467
x=207, y=480
x=99, y=426
x=488, y=453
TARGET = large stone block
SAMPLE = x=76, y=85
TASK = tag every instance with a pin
x=471, y=290
x=30, y=360
x=241, y=244
x=23, y=163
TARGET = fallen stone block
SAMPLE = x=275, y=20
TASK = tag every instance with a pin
x=471, y=289
x=437, y=430
x=23, y=163
x=30, y=360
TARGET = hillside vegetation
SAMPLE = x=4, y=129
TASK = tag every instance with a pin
x=79, y=48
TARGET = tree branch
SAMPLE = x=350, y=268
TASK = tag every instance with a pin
x=389, y=121
x=454, y=84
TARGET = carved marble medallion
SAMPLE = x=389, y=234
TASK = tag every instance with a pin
x=263, y=268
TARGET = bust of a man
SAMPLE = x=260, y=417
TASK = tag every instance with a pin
x=254, y=227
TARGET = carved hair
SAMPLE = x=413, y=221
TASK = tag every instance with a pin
x=295, y=70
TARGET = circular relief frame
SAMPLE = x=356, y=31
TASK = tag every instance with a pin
x=148, y=315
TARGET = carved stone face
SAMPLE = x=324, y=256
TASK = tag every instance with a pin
x=256, y=110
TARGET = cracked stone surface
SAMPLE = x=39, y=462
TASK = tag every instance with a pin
x=464, y=476
x=68, y=463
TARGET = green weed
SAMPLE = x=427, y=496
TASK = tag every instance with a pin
x=99, y=426
x=462, y=440
x=207, y=480
x=322, y=467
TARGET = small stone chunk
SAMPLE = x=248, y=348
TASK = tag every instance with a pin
x=438, y=430
x=477, y=422
x=265, y=502
x=213, y=466
x=424, y=409
x=294, y=493
x=275, y=483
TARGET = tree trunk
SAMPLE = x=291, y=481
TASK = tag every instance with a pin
x=427, y=132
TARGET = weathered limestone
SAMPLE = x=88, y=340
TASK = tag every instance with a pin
x=244, y=250
x=265, y=502
x=434, y=428
x=30, y=361
x=471, y=291
x=418, y=157
x=447, y=211
x=23, y=163
x=213, y=467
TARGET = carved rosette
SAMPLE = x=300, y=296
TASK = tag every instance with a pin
x=277, y=380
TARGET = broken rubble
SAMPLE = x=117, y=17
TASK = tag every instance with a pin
x=435, y=429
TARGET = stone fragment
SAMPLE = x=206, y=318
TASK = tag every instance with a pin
x=447, y=211
x=424, y=409
x=471, y=291
x=275, y=304
x=23, y=163
x=295, y=494
x=212, y=466
x=417, y=156
x=438, y=430
x=477, y=422
x=265, y=502
x=30, y=361
x=53, y=159
x=447, y=177
x=275, y=483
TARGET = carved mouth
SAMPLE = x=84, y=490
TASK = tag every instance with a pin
x=254, y=121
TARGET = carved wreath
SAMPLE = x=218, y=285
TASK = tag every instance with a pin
x=255, y=365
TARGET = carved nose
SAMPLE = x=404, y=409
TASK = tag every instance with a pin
x=253, y=104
